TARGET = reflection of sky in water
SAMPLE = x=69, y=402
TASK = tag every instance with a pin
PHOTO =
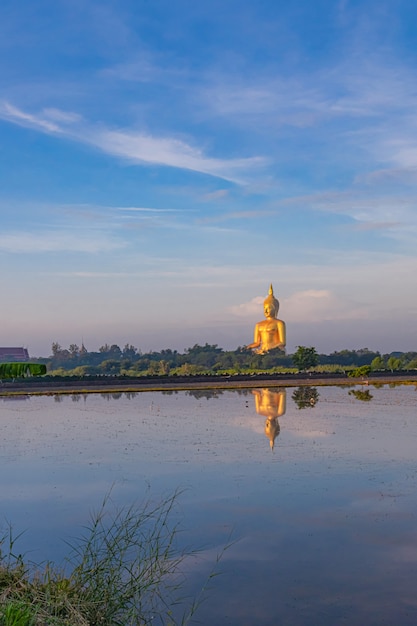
x=326, y=521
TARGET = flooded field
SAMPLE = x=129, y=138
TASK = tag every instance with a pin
x=316, y=487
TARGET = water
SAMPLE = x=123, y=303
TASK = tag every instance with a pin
x=324, y=523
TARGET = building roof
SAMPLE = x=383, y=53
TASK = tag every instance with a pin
x=14, y=354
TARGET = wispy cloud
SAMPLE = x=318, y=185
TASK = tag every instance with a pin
x=377, y=226
x=56, y=241
x=135, y=209
x=359, y=86
x=169, y=151
x=248, y=309
x=387, y=212
x=139, y=147
x=312, y=305
x=320, y=305
x=215, y=195
x=238, y=215
x=41, y=122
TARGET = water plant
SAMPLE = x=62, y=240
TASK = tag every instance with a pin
x=17, y=614
x=124, y=570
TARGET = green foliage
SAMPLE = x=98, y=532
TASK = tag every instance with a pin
x=377, y=363
x=17, y=614
x=110, y=366
x=305, y=358
x=110, y=360
x=356, y=358
x=19, y=370
x=330, y=369
x=360, y=372
x=394, y=363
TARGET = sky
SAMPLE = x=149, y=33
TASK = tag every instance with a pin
x=162, y=162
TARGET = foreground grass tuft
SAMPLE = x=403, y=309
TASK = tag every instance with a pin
x=124, y=570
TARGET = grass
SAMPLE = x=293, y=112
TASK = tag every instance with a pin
x=124, y=570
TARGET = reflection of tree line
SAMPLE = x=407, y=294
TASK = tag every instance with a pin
x=208, y=394
x=360, y=394
x=305, y=397
x=269, y=402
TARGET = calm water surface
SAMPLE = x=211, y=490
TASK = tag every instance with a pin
x=321, y=500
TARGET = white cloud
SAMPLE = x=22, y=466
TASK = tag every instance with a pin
x=144, y=209
x=138, y=147
x=172, y=152
x=312, y=305
x=66, y=117
x=357, y=86
x=386, y=212
x=56, y=241
x=215, y=195
x=320, y=305
x=13, y=114
x=248, y=309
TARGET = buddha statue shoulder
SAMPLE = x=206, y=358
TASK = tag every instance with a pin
x=270, y=333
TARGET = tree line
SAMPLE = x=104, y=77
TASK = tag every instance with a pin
x=210, y=358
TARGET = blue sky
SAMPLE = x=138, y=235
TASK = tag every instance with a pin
x=162, y=162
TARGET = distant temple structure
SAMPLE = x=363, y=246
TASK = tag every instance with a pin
x=14, y=354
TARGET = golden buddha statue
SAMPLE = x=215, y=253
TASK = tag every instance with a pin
x=270, y=333
x=271, y=404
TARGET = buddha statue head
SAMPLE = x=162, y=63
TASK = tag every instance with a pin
x=271, y=304
x=272, y=429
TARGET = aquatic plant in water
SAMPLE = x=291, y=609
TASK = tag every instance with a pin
x=124, y=570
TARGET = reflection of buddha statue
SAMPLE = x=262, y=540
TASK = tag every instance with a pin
x=272, y=405
x=270, y=333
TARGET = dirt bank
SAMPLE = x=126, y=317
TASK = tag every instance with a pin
x=109, y=384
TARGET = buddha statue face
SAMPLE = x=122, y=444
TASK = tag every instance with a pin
x=271, y=304
x=270, y=310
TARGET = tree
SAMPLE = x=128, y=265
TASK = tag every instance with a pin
x=393, y=363
x=377, y=363
x=305, y=358
x=360, y=372
x=129, y=351
x=74, y=350
x=163, y=368
x=56, y=348
x=110, y=366
x=59, y=353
